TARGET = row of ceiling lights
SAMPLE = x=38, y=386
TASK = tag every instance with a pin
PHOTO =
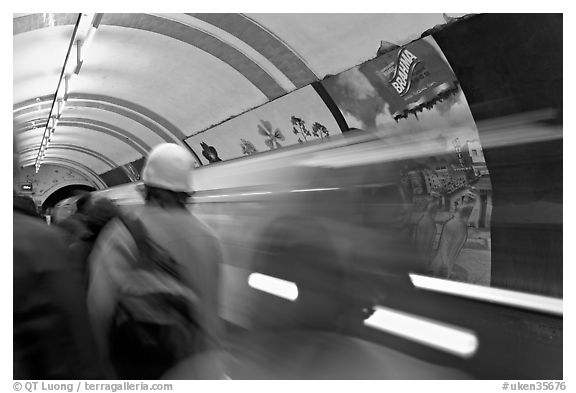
x=82, y=36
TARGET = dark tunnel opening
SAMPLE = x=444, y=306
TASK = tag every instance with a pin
x=63, y=193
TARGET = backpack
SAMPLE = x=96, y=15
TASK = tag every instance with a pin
x=154, y=325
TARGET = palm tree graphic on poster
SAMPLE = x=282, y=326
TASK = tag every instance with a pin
x=299, y=129
x=273, y=136
x=248, y=147
x=318, y=130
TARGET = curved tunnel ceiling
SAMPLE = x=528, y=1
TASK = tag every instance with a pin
x=149, y=78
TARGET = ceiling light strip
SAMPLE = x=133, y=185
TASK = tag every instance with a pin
x=42, y=151
x=62, y=89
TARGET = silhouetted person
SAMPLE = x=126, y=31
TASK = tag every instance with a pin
x=96, y=215
x=294, y=249
x=75, y=225
x=210, y=153
x=52, y=336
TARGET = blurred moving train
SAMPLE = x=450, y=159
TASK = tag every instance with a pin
x=318, y=239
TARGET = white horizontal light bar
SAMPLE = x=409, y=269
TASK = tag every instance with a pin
x=256, y=193
x=495, y=295
x=216, y=196
x=315, y=189
x=448, y=338
x=272, y=285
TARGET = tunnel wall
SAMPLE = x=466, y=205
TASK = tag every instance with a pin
x=507, y=65
x=49, y=179
x=119, y=175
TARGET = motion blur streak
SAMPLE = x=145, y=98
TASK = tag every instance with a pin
x=316, y=189
x=529, y=127
x=511, y=298
x=442, y=336
x=275, y=286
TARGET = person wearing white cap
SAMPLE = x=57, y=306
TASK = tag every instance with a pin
x=168, y=182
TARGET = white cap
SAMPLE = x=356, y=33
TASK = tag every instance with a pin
x=169, y=167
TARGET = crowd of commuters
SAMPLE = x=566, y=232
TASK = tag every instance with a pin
x=99, y=296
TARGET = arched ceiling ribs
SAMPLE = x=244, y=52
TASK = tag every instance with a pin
x=199, y=39
x=174, y=134
x=135, y=112
x=70, y=164
x=113, y=105
x=132, y=176
x=65, y=146
x=94, y=125
x=270, y=46
x=32, y=22
x=191, y=35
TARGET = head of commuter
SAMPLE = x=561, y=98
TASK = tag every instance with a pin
x=167, y=176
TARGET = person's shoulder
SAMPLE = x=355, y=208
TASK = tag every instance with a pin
x=34, y=226
x=37, y=246
x=183, y=220
x=115, y=228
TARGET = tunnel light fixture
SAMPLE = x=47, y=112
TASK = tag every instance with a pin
x=445, y=337
x=86, y=42
x=274, y=286
x=60, y=105
x=82, y=36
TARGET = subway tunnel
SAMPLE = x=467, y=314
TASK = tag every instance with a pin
x=326, y=147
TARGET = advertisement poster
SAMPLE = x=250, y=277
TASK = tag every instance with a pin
x=296, y=118
x=409, y=95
